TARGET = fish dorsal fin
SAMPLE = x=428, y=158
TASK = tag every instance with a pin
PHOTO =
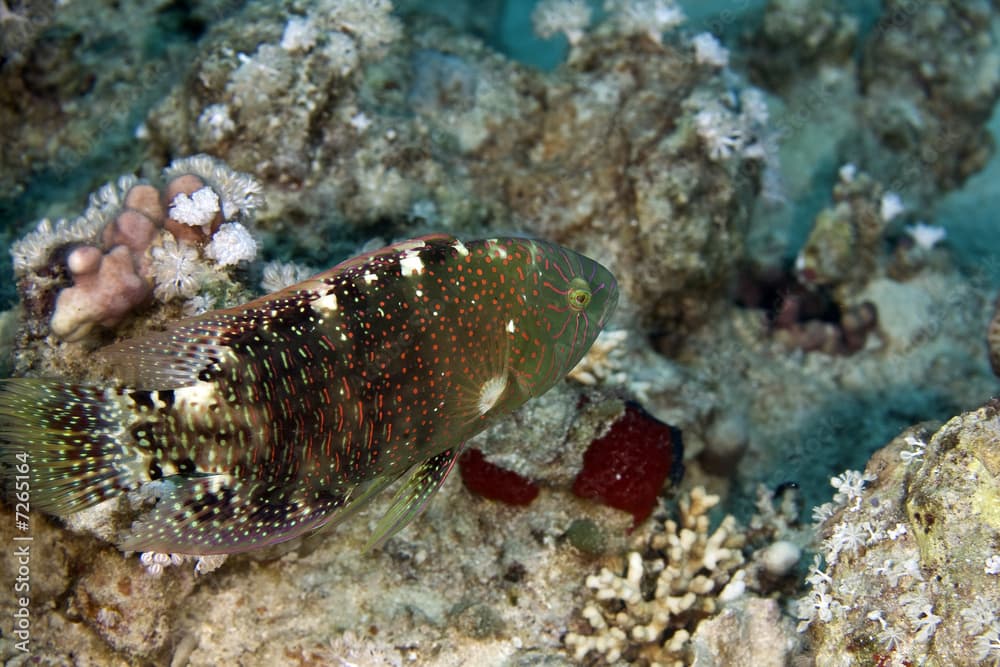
x=182, y=354
x=173, y=358
x=185, y=352
x=413, y=496
x=393, y=249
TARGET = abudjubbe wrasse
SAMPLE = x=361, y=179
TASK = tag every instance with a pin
x=255, y=424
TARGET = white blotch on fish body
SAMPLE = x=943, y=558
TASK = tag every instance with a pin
x=201, y=394
x=326, y=304
x=410, y=263
x=490, y=393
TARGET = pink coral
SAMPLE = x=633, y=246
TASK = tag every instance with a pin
x=129, y=221
x=106, y=286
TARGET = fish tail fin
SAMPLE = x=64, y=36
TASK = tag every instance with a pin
x=68, y=441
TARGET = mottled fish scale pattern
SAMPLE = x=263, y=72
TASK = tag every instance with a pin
x=252, y=425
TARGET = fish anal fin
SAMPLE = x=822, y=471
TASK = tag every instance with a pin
x=412, y=498
x=218, y=514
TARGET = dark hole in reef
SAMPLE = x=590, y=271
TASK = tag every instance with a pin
x=180, y=18
x=776, y=290
x=804, y=317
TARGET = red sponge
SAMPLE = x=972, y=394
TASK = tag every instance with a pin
x=491, y=481
x=626, y=468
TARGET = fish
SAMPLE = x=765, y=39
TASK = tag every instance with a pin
x=248, y=426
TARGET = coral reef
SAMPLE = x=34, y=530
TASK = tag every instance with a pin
x=597, y=162
x=899, y=540
x=653, y=612
x=69, y=112
x=993, y=338
x=696, y=157
x=749, y=631
x=798, y=36
x=133, y=243
x=569, y=17
x=844, y=246
x=496, y=118
x=929, y=108
x=304, y=63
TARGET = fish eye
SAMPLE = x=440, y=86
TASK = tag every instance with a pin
x=579, y=294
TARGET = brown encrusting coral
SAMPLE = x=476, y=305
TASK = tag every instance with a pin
x=929, y=106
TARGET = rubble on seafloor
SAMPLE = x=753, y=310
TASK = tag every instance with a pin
x=785, y=341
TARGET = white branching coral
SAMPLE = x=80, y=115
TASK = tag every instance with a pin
x=720, y=131
x=708, y=50
x=197, y=210
x=926, y=236
x=819, y=604
x=300, y=34
x=846, y=537
x=665, y=593
x=215, y=123
x=277, y=276
x=915, y=454
x=849, y=485
x=734, y=125
x=570, y=17
x=645, y=17
x=370, y=21
x=987, y=645
x=604, y=361
x=891, y=206
x=155, y=562
x=33, y=252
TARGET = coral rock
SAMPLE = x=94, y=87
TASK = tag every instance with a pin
x=146, y=200
x=133, y=229
x=751, y=632
x=908, y=549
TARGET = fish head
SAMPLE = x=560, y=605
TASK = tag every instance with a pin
x=568, y=298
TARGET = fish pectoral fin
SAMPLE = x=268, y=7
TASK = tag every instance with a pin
x=220, y=514
x=359, y=496
x=413, y=496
